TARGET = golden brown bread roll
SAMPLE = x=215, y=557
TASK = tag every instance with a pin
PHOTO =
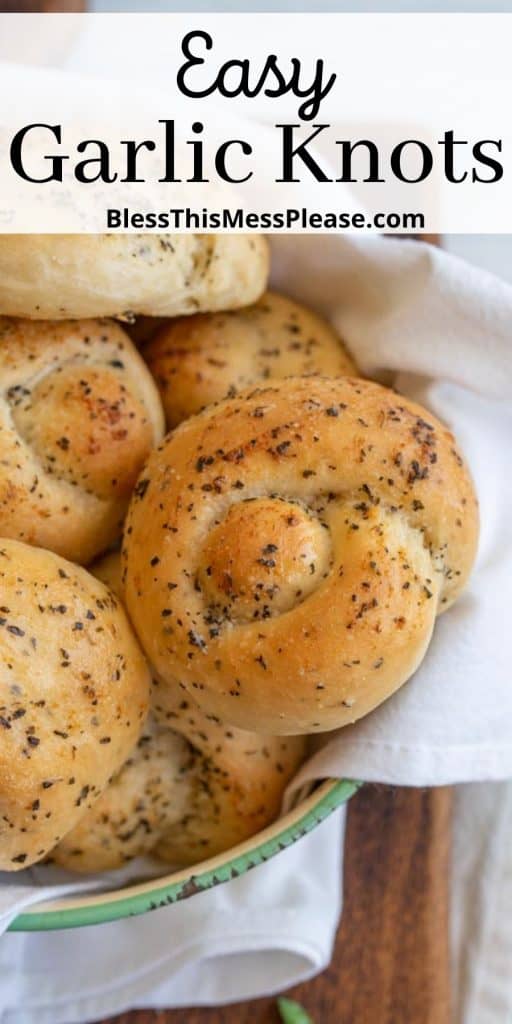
x=183, y=801
x=239, y=779
x=286, y=552
x=79, y=413
x=149, y=794
x=191, y=788
x=74, y=692
x=200, y=359
x=60, y=277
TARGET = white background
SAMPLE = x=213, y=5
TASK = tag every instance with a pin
x=491, y=251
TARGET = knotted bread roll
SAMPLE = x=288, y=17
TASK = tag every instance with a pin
x=144, y=328
x=149, y=794
x=79, y=413
x=198, y=360
x=191, y=788
x=74, y=692
x=57, y=277
x=238, y=782
x=286, y=552
x=183, y=801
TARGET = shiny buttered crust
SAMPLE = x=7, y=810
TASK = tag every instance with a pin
x=74, y=692
x=147, y=796
x=200, y=359
x=56, y=277
x=286, y=552
x=79, y=413
x=191, y=789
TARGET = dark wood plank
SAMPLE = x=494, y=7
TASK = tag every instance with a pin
x=42, y=6
x=391, y=961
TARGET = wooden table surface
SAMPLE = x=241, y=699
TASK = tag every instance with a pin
x=42, y=6
x=391, y=960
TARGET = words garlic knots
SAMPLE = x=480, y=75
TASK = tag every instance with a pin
x=287, y=551
x=79, y=413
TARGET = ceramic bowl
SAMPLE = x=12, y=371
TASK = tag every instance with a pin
x=78, y=911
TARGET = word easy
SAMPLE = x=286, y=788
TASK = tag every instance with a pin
x=237, y=78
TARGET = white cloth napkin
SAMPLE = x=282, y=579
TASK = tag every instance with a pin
x=258, y=934
x=442, y=331
x=482, y=903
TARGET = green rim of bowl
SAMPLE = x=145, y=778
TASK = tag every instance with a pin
x=100, y=908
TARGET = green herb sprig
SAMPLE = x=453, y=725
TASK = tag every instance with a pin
x=292, y=1012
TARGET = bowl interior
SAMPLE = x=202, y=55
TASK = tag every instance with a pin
x=78, y=911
